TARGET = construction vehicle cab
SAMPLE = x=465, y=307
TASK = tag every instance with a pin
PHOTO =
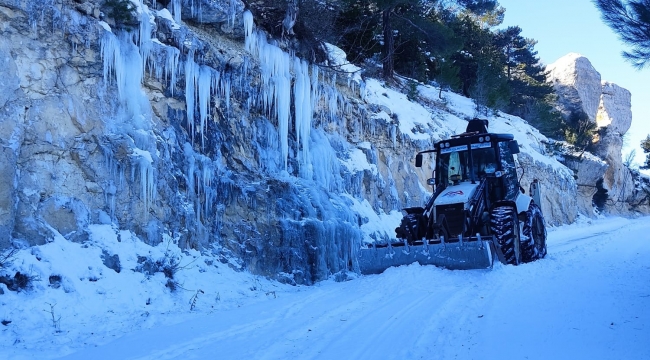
x=478, y=210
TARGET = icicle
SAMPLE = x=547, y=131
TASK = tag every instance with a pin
x=232, y=12
x=276, y=86
x=172, y=55
x=189, y=175
x=303, y=109
x=315, y=90
x=243, y=75
x=283, y=107
x=204, y=87
x=110, y=194
x=111, y=55
x=199, y=176
x=144, y=39
x=207, y=176
x=122, y=58
x=248, y=31
x=326, y=166
x=176, y=10
x=115, y=182
x=198, y=84
x=191, y=76
x=227, y=88
x=216, y=83
x=218, y=80
x=144, y=33
x=193, y=10
x=332, y=105
x=143, y=162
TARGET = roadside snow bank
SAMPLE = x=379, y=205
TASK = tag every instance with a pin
x=75, y=300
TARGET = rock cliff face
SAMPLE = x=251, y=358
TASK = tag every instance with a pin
x=577, y=84
x=608, y=105
x=559, y=191
x=614, y=118
x=589, y=171
x=160, y=124
x=615, y=108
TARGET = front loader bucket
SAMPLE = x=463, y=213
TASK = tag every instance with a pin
x=462, y=255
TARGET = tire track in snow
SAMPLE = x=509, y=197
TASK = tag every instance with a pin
x=343, y=325
x=450, y=326
x=573, y=302
x=313, y=319
x=398, y=325
x=233, y=340
x=380, y=330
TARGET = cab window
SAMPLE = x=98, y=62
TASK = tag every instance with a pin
x=509, y=169
x=484, y=161
x=452, y=165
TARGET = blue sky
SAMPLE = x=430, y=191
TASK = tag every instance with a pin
x=564, y=26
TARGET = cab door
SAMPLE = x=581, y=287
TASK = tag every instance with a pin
x=509, y=171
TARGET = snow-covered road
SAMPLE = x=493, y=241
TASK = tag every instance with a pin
x=589, y=299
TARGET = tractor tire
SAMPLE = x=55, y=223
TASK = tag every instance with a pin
x=504, y=225
x=534, y=234
x=408, y=229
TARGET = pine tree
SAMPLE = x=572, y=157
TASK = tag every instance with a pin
x=531, y=97
x=645, y=145
x=480, y=64
x=122, y=11
x=580, y=131
x=408, y=33
x=630, y=19
x=446, y=73
x=369, y=26
x=424, y=45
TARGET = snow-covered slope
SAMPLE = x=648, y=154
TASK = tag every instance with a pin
x=433, y=119
x=75, y=298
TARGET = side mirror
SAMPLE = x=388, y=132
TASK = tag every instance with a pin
x=418, y=160
x=514, y=147
x=431, y=182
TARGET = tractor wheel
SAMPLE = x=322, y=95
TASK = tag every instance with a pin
x=505, y=228
x=534, y=233
x=408, y=228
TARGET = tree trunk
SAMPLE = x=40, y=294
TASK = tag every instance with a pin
x=389, y=45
